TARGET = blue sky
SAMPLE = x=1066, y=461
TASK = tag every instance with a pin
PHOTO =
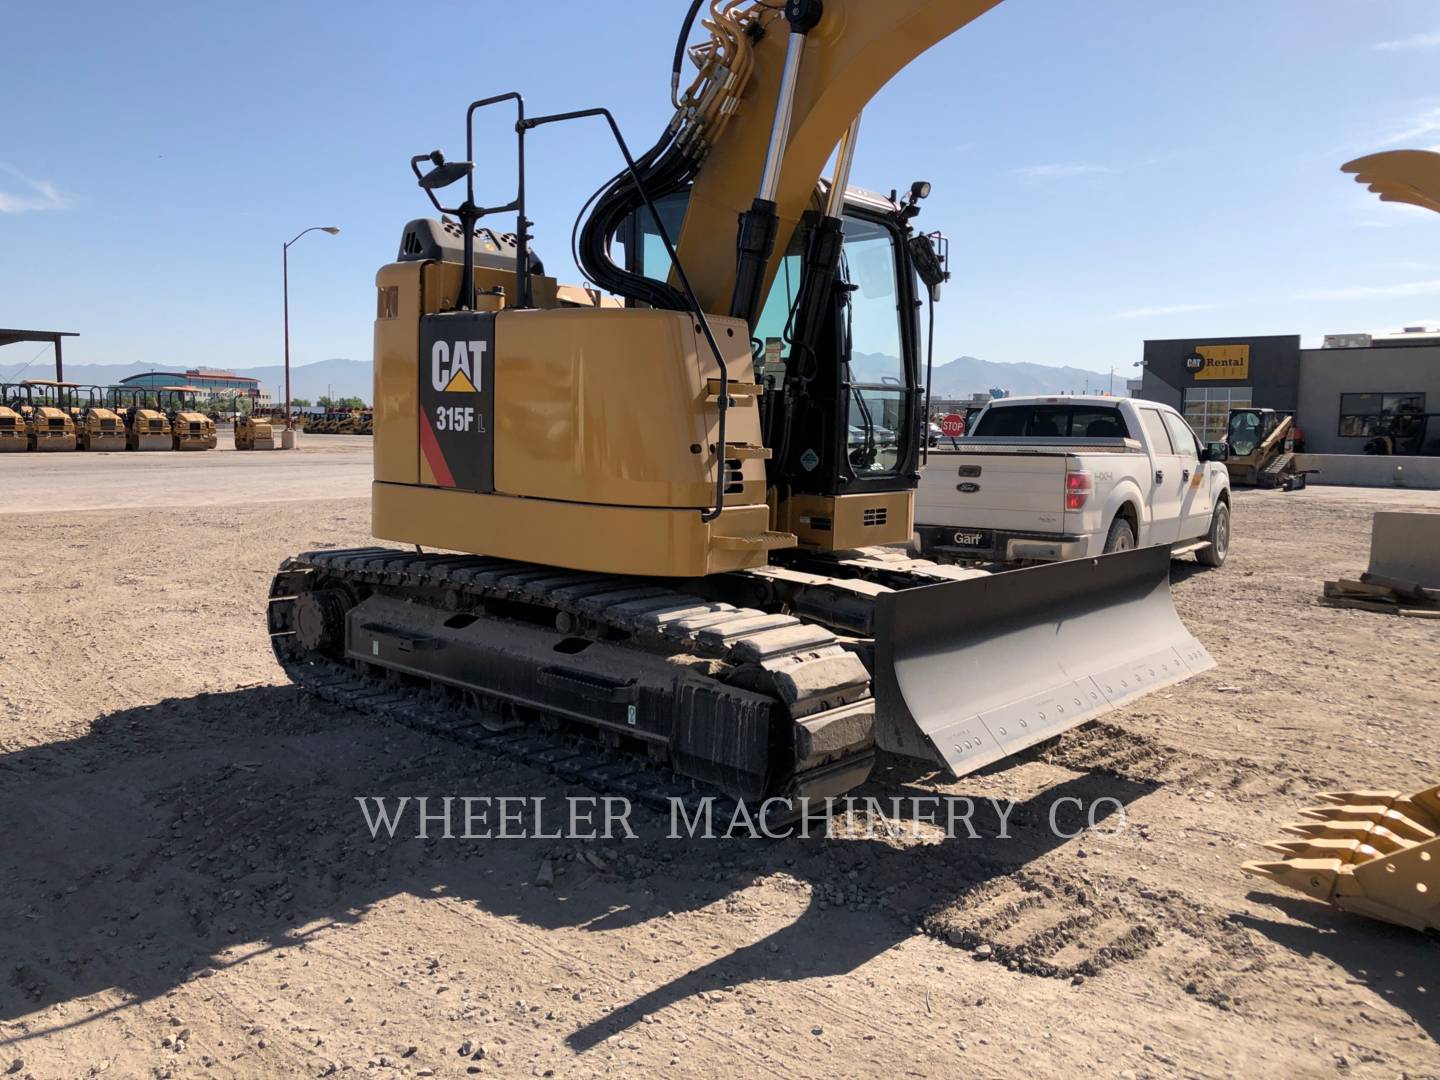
x=1107, y=170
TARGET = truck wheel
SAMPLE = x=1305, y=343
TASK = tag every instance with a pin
x=1120, y=538
x=1219, y=537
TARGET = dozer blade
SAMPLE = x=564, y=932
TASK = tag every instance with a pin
x=969, y=672
x=1375, y=853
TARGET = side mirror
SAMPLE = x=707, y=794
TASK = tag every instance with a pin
x=930, y=252
x=1217, y=451
x=445, y=174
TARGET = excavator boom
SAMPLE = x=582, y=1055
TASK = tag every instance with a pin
x=854, y=49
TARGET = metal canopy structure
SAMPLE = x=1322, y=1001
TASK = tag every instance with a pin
x=49, y=337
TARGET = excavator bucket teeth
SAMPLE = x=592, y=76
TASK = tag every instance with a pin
x=1314, y=877
x=1375, y=853
x=970, y=672
x=1344, y=798
x=1371, y=816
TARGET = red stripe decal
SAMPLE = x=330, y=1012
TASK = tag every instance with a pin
x=430, y=447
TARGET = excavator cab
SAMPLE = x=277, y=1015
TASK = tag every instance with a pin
x=841, y=408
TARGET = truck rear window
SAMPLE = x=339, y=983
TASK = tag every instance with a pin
x=1052, y=422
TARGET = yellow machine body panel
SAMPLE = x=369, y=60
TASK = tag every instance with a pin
x=51, y=428
x=848, y=521
x=578, y=536
x=193, y=431
x=148, y=429
x=601, y=431
x=254, y=433
x=610, y=407
x=14, y=435
x=100, y=429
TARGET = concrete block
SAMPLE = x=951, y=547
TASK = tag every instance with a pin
x=1372, y=470
x=1406, y=547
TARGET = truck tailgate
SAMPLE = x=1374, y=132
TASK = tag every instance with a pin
x=993, y=490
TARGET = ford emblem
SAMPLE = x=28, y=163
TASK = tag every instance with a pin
x=967, y=488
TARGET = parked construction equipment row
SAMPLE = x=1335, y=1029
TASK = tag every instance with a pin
x=339, y=422
x=42, y=414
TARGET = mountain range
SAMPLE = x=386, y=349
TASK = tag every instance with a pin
x=967, y=375
x=958, y=378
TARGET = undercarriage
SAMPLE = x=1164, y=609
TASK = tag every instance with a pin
x=760, y=684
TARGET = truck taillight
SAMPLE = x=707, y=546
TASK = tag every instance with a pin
x=1077, y=489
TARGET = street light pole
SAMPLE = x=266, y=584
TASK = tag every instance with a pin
x=285, y=278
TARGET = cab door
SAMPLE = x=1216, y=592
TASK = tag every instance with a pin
x=1196, y=498
x=1167, y=487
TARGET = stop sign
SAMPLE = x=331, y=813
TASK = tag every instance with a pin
x=952, y=426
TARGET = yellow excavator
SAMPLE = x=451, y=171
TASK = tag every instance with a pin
x=673, y=522
x=1376, y=853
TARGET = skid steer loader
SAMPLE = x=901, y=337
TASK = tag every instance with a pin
x=677, y=520
x=1260, y=442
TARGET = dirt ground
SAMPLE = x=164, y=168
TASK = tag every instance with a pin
x=187, y=886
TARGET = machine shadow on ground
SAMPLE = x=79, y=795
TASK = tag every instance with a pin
x=1399, y=965
x=134, y=856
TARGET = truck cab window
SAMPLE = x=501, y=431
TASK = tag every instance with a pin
x=1184, y=439
x=1052, y=422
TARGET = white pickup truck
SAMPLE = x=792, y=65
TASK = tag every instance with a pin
x=1051, y=478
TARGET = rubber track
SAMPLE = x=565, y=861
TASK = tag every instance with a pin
x=639, y=607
